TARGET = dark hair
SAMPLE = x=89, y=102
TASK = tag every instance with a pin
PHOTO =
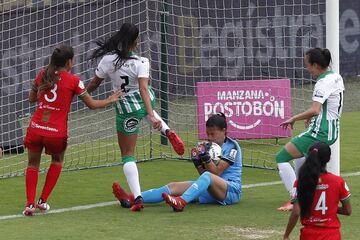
x=119, y=43
x=217, y=120
x=315, y=164
x=58, y=59
x=320, y=56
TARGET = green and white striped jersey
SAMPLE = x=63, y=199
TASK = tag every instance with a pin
x=126, y=78
x=329, y=91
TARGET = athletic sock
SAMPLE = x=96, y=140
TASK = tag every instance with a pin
x=132, y=177
x=164, y=126
x=200, y=185
x=288, y=176
x=298, y=162
x=52, y=177
x=154, y=195
x=31, y=182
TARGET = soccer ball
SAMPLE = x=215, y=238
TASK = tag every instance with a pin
x=215, y=153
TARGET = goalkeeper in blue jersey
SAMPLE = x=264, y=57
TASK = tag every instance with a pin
x=219, y=183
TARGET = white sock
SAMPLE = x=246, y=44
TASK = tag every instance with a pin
x=164, y=126
x=132, y=177
x=288, y=176
x=298, y=162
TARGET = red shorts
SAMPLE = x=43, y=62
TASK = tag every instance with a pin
x=52, y=145
x=315, y=233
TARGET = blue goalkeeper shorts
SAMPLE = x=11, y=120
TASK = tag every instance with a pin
x=233, y=195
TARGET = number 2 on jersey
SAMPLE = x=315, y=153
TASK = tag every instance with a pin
x=321, y=204
x=126, y=79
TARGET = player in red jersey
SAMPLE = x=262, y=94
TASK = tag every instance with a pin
x=318, y=194
x=53, y=89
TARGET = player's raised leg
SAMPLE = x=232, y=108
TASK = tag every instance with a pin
x=286, y=171
x=176, y=142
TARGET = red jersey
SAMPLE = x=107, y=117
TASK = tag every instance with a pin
x=51, y=116
x=330, y=190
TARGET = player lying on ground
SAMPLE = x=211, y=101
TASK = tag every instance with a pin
x=318, y=194
x=130, y=73
x=219, y=183
x=53, y=89
x=322, y=119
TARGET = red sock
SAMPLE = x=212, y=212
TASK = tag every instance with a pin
x=31, y=182
x=51, y=178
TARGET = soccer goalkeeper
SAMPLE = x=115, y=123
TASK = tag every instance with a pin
x=219, y=183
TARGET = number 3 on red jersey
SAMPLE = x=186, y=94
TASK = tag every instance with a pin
x=54, y=94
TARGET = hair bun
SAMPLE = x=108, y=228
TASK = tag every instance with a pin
x=221, y=114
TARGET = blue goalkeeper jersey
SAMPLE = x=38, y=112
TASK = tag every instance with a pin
x=231, y=153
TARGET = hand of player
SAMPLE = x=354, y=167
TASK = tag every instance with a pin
x=307, y=122
x=288, y=123
x=205, y=157
x=195, y=158
x=156, y=123
x=286, y=238
x=115, y=96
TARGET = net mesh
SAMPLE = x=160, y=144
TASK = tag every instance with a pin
x=186, y=41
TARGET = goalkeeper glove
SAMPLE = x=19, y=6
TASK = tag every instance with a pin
x=195, y=158
x=204, y=154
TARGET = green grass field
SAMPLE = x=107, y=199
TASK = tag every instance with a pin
x=254, y=217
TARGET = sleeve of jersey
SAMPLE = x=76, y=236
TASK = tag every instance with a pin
x=344, y=191
x=100, y=71
x=321, y=91
x=144, y=68
x=230, y=155
x=80, y=89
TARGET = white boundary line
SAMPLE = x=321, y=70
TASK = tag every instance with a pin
x=104, y=204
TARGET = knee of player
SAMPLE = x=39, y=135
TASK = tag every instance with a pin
x=283, y=156
x=206, y=175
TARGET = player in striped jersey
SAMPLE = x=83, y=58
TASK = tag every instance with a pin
x=317, y=196
x=53, y=89
x=322, y=118
x=130, y=73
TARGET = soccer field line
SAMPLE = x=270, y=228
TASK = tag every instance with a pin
x=105, y=204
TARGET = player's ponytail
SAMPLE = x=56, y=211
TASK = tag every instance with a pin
x=120, y=44
x=315, y=164
x=58, y=60
x=322, y=57
x=217, y=120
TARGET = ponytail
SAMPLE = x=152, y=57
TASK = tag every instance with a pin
x=58, y=60
x=120, y=44
x=315, y=164
x=322, y=57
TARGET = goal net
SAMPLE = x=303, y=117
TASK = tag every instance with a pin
x=188, y=42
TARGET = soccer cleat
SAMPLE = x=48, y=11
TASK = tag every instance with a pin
x=177, y=203
x=29, y=210
x=138, y=204
x=126, y=200
x=43, y=206
x=176, y=142
x=287, y=207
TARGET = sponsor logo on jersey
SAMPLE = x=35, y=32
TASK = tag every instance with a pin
x=81, y=85
x=130, y=124
x=318, y=94
x=35, y=125
x=232, y=154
